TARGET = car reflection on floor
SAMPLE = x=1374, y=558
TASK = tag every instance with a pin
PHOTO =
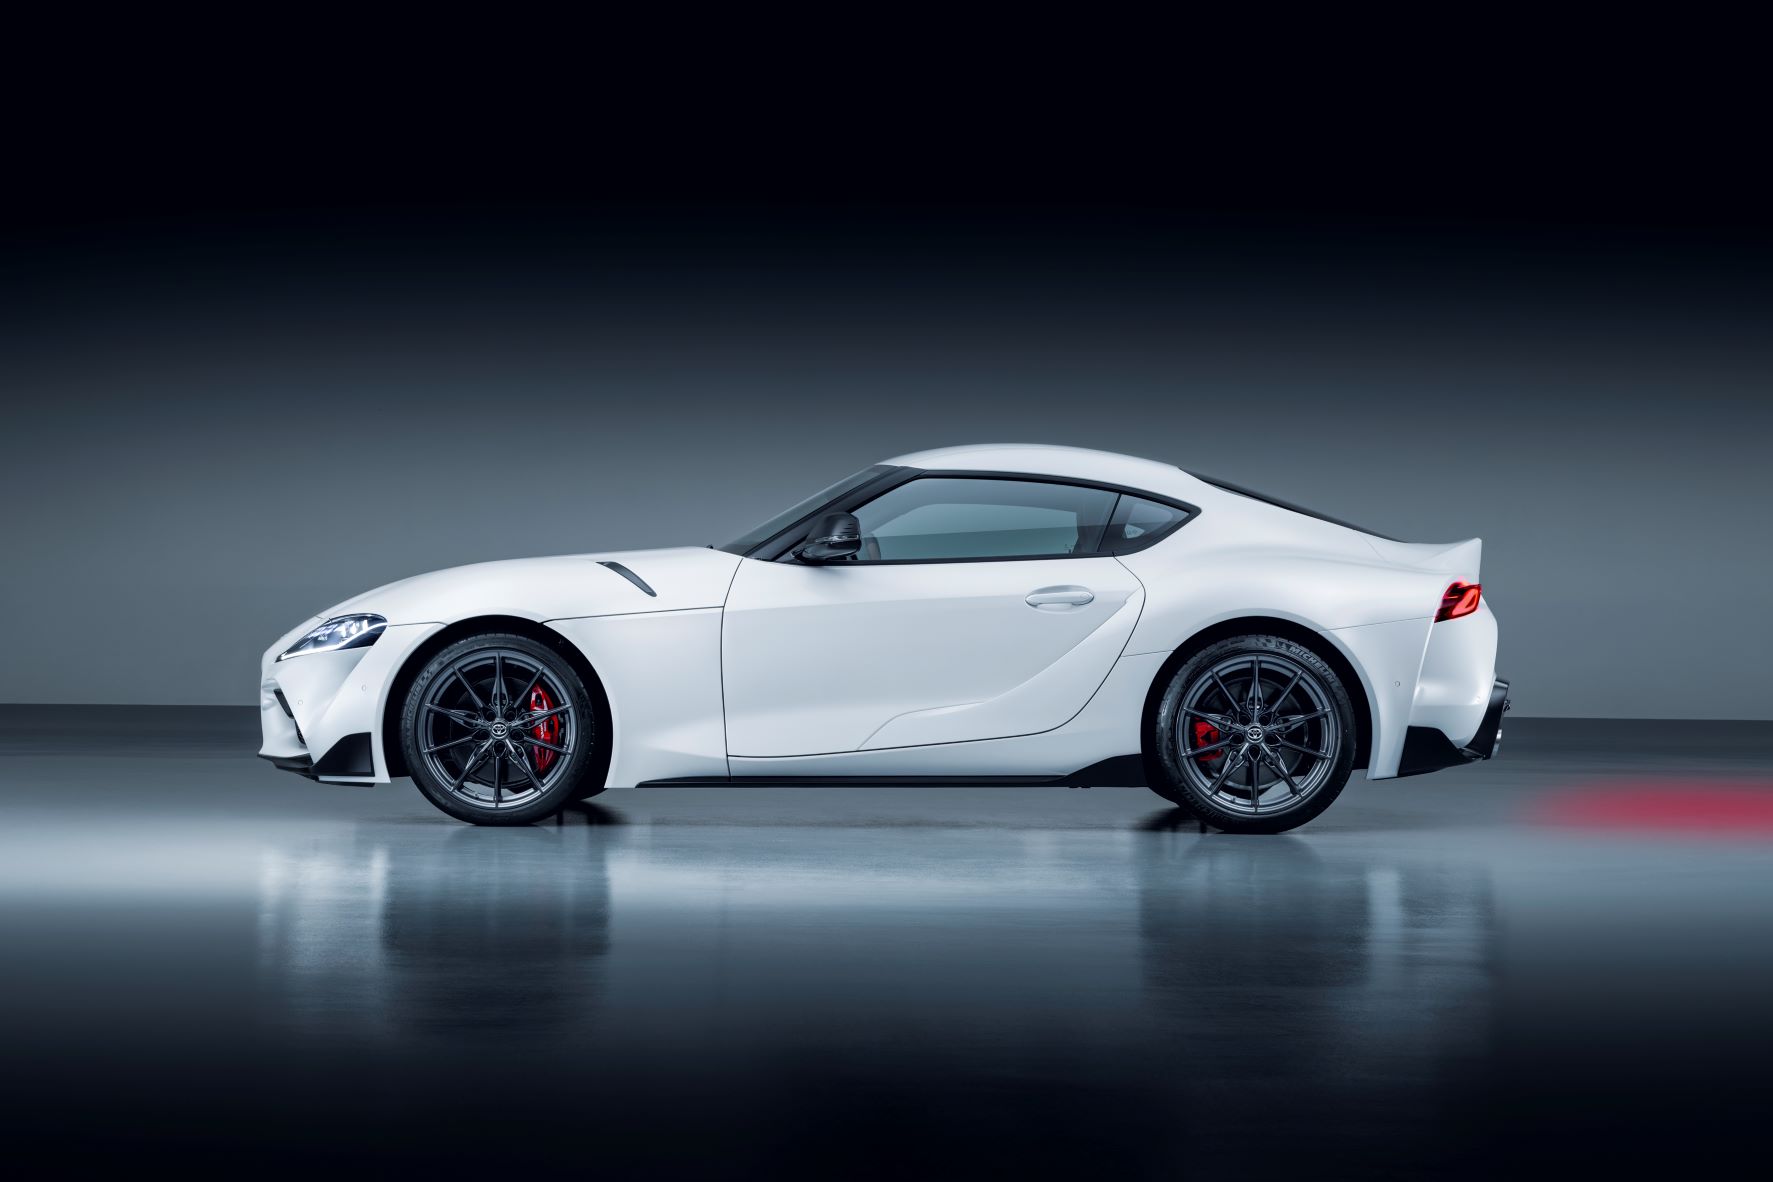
x=204, y=961
x=1122, y=974
x=482, y=934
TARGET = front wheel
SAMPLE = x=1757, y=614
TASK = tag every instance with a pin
x=500, y=730
x=1254, y=734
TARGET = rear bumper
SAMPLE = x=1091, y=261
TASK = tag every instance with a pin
x=1427, y=749
x=1488, y=739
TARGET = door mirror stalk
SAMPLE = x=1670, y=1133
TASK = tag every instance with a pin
x=833, y=537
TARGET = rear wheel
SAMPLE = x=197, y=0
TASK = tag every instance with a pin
x=1255, y=734
x=500, y=730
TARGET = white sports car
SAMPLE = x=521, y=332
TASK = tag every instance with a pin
x=997, y=614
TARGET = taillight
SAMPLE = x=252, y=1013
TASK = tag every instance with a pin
x=1461, y=599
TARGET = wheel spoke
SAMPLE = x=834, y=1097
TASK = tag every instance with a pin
x=1281, y=699
x=447, y=746
x=498, y=777
x=459, y=717
x=1286, y=724
x=1230, y=766
x=1280, y=766
x=1218, y=720
x=1255, y=702
x=473, y=762
x=522, y=761
x=1307, y=750
x=1255, y=792
x=1192, y=751
x=474, y=697
x=498, y=688
x=529, y=720
x=1230, y=698
x=524, y=696
x=544, y=744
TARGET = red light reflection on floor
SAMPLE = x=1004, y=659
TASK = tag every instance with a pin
x=1717, y=808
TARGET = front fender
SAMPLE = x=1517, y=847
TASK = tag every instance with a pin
x=311, y=704
x=564, y=587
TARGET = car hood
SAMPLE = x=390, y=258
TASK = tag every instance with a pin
x=555, y=588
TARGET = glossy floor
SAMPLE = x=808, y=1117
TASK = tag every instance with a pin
x=1557, y=960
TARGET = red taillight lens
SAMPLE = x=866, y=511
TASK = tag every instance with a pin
x=1461, y=599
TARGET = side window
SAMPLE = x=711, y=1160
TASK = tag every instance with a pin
x=934, y=519
x=1138, y=522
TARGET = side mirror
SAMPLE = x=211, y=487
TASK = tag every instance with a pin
x=832, y=538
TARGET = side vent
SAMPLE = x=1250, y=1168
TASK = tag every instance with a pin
x=630, y=576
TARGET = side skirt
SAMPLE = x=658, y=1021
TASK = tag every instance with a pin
x=1122, y=771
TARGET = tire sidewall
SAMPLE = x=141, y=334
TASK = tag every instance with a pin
x=582, y=778
x=1175, y=785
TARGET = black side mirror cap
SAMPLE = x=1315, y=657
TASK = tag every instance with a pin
x=833, y=537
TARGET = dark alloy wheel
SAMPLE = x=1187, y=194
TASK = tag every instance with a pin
x=1255, y=734
x=500, y=730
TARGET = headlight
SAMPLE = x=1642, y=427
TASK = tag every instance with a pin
x=337, y=633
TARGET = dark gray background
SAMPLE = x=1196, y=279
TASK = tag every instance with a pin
x=213, y=431
x=289, y=311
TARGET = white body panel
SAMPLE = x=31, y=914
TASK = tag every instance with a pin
x=924, y=653
x=1453, y=686
x=662, y=674
x=332, y=695
x=558, y=588
x=1107, y=726
x=737, y=666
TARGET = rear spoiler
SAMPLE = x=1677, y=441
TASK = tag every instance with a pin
x=1450, y=558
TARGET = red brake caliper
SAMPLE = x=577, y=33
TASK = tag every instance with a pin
x=1205, y=735
x=547, y=730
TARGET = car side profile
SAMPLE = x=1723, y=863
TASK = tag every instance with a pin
x=999, y=614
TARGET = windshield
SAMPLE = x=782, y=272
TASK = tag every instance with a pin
x=752, y=539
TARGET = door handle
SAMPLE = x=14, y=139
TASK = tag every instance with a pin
x=1060, y=598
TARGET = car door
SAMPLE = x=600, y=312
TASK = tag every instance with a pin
x=978, y=608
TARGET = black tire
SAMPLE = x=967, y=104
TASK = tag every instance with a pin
x=1258, y=765
x=450, y=714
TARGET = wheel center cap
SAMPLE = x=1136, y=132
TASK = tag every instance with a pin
x=1253, y=734
x=500, y=730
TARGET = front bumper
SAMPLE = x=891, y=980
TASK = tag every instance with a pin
x=1427, y=749
x=320, y=714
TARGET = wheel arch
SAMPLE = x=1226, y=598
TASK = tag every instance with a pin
x=393, y=752
x=1360, y=696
